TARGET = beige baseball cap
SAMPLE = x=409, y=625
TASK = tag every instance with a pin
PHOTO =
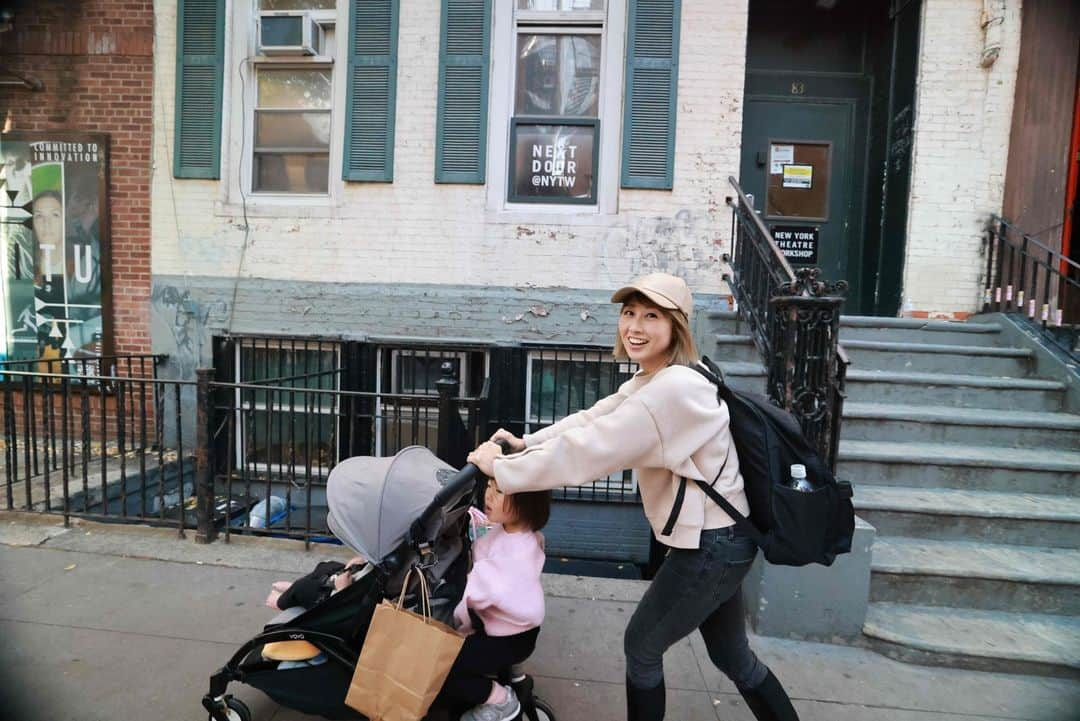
x=666, y=290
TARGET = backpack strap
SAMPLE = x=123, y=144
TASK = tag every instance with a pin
x=715, y=376
x=676, y=508
x=680, y=495
x=742, y=522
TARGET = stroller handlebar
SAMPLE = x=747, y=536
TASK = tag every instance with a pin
x=453, y=489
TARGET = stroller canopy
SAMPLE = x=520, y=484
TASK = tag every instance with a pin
x=374, y=500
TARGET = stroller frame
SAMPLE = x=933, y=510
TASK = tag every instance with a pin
x=417, y=551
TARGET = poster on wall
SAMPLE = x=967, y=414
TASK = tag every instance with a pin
x=553, y=163
x=53, y=246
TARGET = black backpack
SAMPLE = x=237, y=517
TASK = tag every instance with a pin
x=792, y=528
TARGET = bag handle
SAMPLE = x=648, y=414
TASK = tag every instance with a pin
x=425, y=599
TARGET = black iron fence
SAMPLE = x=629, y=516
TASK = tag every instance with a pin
x=271, y=445
x=255, y=457
x=92, y=438
x=1025, y=277
x=793, y=317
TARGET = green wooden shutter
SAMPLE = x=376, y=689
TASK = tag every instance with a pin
x=652, y=77
x=372, y=90
x=200, y=60
x=461, y=132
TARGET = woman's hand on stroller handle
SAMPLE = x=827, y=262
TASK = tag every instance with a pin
x=509, y=442
x=484, y=456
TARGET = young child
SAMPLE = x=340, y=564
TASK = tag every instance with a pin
x=503, y=605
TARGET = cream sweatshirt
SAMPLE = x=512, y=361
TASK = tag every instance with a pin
x=664, y=425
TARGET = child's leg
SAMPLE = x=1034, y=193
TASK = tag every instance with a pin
x=481, y=656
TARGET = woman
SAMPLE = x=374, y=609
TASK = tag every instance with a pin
x=666, y=422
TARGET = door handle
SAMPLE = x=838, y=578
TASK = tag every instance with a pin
x=759, y=158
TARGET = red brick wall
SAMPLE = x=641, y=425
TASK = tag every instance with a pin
x=95, y=58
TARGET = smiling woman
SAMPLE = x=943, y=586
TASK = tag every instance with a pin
x=666, y=423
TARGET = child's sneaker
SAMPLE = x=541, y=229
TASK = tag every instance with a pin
x=505, y=711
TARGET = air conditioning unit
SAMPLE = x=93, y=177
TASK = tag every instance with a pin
x=289, y=33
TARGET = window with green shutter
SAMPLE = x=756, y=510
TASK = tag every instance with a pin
x=652, y=72
x=372, y=87
x=200, y=51
x=464, y=56
x=556, y=121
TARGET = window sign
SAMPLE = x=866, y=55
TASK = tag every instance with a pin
x=799, y=244
x=781, y=156
x=52, y=244
x=553, y=163
x=798, y=176
x=799, y=188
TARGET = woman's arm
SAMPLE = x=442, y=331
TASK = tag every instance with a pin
x=626, y=437
x=575, y=420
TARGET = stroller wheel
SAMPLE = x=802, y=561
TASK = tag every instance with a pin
x=237, y=710
x=543, y=711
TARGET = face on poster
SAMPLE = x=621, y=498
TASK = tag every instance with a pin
x=51, y=245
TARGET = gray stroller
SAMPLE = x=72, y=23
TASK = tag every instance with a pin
x=407, y=511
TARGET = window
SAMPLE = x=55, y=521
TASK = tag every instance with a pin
x=292, y=130
x=553, y=132
x=290, y=126
x=407, y=412
x=561, y=382
x=279, y=430
x=559, y=97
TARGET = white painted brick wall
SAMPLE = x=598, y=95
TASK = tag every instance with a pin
x=414, y=231
x=961, y=144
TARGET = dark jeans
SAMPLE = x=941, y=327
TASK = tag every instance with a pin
x=481, y=657
x=696, y=588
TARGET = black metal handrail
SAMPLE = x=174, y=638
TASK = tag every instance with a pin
x=794, y=320
x=1026, y=277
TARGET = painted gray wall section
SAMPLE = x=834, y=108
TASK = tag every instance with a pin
x=188, y=311
x=813, y=602
x=604, y=531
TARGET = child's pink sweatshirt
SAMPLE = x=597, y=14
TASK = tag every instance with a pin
x=503, y=586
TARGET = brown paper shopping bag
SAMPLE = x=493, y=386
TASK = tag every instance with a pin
x=404, y=662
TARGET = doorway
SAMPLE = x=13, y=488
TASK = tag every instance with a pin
x=829, y=91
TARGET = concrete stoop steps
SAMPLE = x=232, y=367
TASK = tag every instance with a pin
x=968, y=467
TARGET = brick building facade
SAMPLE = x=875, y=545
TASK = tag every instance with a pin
x=95, y=63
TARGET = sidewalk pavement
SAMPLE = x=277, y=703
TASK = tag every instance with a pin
x=127, y=622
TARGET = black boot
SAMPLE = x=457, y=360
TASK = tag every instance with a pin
x=769, y=701
x=645, y=704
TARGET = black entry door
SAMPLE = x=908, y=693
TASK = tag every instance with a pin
x=797, y=162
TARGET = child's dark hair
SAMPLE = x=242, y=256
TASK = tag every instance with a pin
x=533, y=508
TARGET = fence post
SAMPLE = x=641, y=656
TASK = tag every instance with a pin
x=205, y=531
x=806, y=372
x=449, y=419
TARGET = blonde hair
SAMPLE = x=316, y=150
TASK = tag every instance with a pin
x=683, y=350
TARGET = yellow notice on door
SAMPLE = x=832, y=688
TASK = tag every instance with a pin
x=798, y=176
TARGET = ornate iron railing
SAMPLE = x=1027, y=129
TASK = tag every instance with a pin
x=1025, y=277
x=794, y=319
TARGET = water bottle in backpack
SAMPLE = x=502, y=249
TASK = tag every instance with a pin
x=798, y=478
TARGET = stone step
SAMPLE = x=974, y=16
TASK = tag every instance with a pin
x=965, y=391
x=728, y=348
x=949, y=424
x=962, y=467
x=976, y=575
x=985, y=640
x=937, y=358
x=1024, y=519
x=745, y=376
x=916, y=330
